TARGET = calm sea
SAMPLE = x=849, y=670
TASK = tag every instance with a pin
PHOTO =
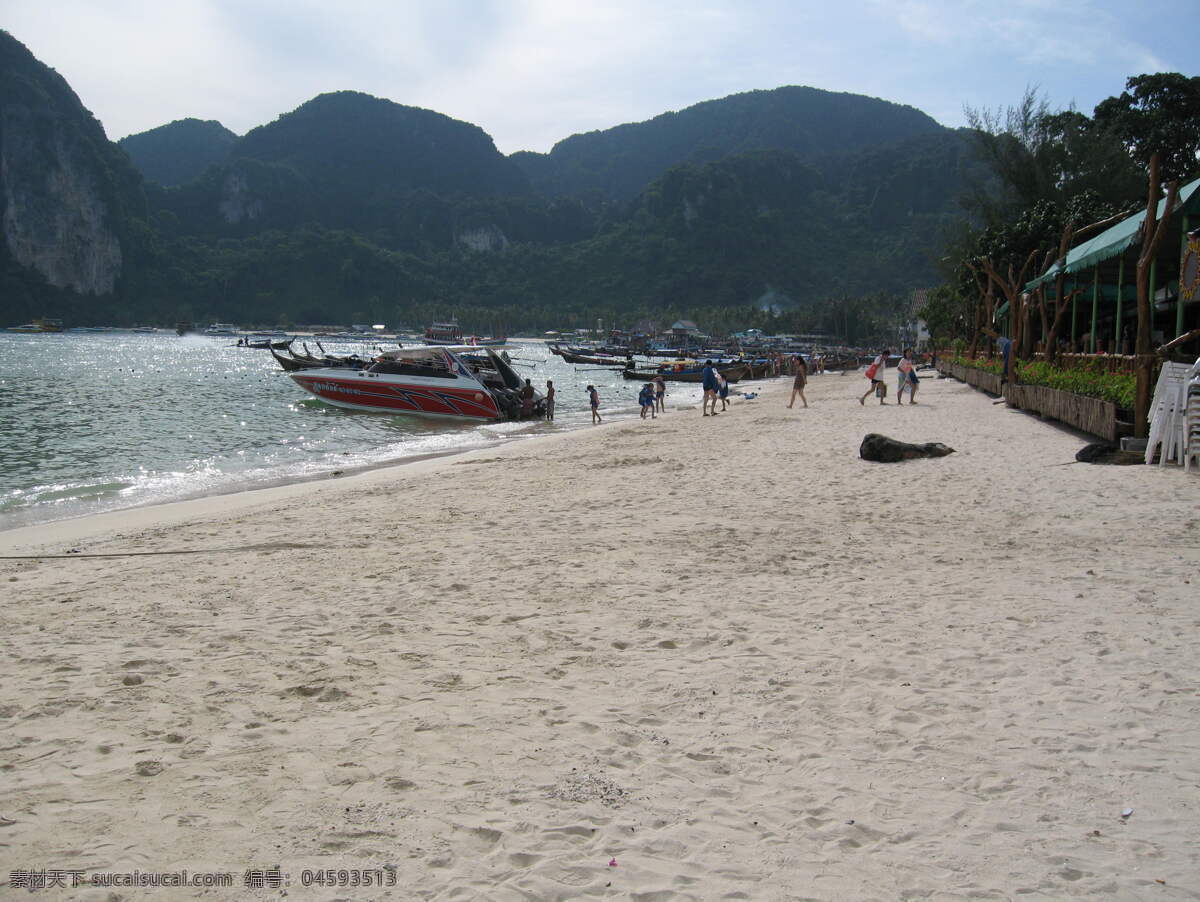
x=93, y=422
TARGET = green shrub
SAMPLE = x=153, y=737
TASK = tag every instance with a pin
x=994, y=366
x=1089, y=379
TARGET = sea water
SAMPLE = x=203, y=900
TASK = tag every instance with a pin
x=92, y=422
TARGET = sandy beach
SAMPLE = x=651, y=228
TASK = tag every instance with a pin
x=679, y=659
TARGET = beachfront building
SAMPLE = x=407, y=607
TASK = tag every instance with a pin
x=1099, y=277
x=685, y=328
x=914, y=333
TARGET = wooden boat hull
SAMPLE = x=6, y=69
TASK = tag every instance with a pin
x=598, y=361
x=732, y=374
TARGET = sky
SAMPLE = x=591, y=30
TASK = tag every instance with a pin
x=532, y=72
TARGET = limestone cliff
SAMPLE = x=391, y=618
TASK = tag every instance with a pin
x=487, y=238
x=63, y=186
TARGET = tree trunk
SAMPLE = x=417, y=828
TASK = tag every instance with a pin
x=1153, y=231
x=1143, y=360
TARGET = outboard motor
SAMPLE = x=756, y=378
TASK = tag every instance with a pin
x=508, y=401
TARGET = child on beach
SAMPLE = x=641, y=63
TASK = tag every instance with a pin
x=878, y=385
x=722, y=392
x=549, y=399
x=646, y=400
x=799, y=382
x=594, y=401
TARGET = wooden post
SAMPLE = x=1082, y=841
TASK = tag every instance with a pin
x=1120, y=347
x=1074, y=311
x=1095, y=305
x=1153, y=290
x=1153, y=231
x=1179, y=294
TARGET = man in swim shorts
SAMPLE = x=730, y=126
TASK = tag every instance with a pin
x=708, y=378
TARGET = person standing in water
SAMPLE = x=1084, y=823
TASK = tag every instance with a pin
x=594, y=401
x=526, y=400
x=549, y=399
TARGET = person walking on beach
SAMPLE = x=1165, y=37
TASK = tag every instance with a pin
x=799, y=382
x=660, y=393
x=906, y=371
x=708, y=378
x=722, y=392
x=594, y=401
x=550, y=399
x=903, y=369
x=876, y=369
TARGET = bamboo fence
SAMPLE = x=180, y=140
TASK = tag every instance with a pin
x=988, y=382
x=1090, y=415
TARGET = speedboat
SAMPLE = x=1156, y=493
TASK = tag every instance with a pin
x=454, y=381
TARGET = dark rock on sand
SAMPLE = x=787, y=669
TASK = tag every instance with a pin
x=887, y=450
x=1106, y=453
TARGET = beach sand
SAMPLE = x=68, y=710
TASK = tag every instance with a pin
x=684, y=658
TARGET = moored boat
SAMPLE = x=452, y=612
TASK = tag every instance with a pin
x=39, y=327
x=734, y=373
x=428, y=380
x=450, y=334
x=444, y=334
x=572, y=355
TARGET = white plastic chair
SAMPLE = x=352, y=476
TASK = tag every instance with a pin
x=1166, y=413
x=1191, y=418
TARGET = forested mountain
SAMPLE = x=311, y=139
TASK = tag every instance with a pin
x=353, y=208
x=617, y=163
x=408, y=177
x=178, y=152
x=355, y=144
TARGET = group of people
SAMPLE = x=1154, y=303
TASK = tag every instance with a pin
x=906, y=377
x=651, y=397
x=528, y=396
x=716, y=388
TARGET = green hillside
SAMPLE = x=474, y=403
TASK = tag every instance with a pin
x=617, y=163
x=178, y=152
x=353, y=208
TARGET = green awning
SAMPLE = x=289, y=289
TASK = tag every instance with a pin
x=1116, y=240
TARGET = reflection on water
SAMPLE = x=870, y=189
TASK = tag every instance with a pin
x=93, y=422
